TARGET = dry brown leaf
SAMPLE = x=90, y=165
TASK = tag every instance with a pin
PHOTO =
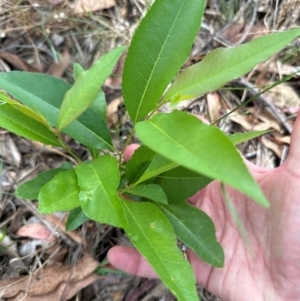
x=214, y=107
x=242, y=120
x=58, y=69
x=10, y=152
x=64, y=291
x=272, y=146
x=17, y=62
x=36, y=231
x=112, y=111
x=82, y=6
x=277, y=68
x=57, y=252
x=269, y=121
x=281, y=139
x=235, y=33
x=48, y=149
x=283, y=96
x=60, y=223
x=50, y=281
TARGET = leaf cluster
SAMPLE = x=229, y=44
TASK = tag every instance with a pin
x=179, y=154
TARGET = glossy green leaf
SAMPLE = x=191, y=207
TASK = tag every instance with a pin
x=158, y=49
x=76, y=218
x=24, y=109
x=157, y=166
x=46, y=97
x=180, y=183
x=238, y=138
x=205, y=149
x=150, y=191
x=15, y=121
x=86, y=88
x=30, y=190
x=152, y=234
x=78, y=69
x=225, y=64
x=196, y=230
x=60, y=194
x=98, y=182
x=138, y=163
x=99, y=106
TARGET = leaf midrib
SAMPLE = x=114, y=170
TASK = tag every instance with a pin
x=149, y=243
x=28, y=129
x=156, y=62
x=195, y=238
x=103, y=188
x=180, y=92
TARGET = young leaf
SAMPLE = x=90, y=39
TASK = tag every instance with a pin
x=86, y=88
x=23, y=109
x=151, y=233
x=238, y=138
x=138, y=163
x=228, y=64
x=158, y=49
x=180, y=183
x=98, y=182
x=30, y=190
x=60, y=194
x=186, y=140
x=78, y=69
x=16, y=121
x=150, y=191
x=46, y=97
x=196, y=230
x=76, y=218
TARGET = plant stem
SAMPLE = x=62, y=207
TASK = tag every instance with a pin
x=66, y=147
x=124, y=146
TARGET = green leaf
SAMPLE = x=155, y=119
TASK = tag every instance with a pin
x=151, y=233
x=23, y=109
x=46, y=97
x=150, y=191
x=225, y=64
x=76, y=218
x=180, y=183
x=86, y=88
x=138, y=163
x=196, y=230
x=98, y=182
x=16, y=121
x=205, y=149
x=158, y=49
x=60, y=194
x=99, y=106
x=157, y=166
x=30, y=190
x=238, y=138
x=78, y=69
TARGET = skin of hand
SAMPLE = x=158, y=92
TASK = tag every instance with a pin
x=267, y=271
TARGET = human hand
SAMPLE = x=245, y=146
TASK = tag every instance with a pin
x=270, y=270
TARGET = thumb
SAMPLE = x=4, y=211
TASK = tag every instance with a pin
x=292, y=162
x=129, y=150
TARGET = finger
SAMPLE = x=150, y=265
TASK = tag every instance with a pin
x=293, y=160
x=129, y=150
x=130, y=261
